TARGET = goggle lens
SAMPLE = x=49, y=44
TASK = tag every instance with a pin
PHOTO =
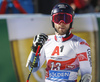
x=65, y=17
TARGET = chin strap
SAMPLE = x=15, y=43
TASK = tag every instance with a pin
x=86, y=78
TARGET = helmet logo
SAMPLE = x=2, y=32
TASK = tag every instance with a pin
x=62, y=6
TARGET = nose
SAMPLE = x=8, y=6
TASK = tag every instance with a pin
x=61, y=22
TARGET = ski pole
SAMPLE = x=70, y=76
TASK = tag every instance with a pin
x=33, y=62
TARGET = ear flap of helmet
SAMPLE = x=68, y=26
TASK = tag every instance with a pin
x=51, y=21
x=71, y=24
x=52, y=24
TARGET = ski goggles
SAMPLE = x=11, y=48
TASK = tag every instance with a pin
x=62, y=17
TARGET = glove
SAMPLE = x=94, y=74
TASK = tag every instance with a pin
x=86, y=78
x=39, y=40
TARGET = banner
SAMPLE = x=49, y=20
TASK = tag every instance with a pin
x=7, y=72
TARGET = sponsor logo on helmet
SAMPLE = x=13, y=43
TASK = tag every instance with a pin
x=82, y=56
x=62, y=6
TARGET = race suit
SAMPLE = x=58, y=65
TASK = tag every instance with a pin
x=64, y=57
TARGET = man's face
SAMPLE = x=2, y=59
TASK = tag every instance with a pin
x=62, y=28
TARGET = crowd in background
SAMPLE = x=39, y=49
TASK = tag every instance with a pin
x=45, y=6
x=16, y=6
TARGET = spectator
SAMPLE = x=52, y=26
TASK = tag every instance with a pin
x=80, y=6
x=97, y=8
x=16, y=6
x=45, y=6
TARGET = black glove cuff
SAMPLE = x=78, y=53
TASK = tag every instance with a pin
x=34, y=48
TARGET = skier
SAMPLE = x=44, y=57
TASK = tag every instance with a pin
x=64, y=52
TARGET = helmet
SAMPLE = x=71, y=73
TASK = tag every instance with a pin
x=62, y=12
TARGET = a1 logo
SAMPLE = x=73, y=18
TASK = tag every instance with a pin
x=56, y=50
